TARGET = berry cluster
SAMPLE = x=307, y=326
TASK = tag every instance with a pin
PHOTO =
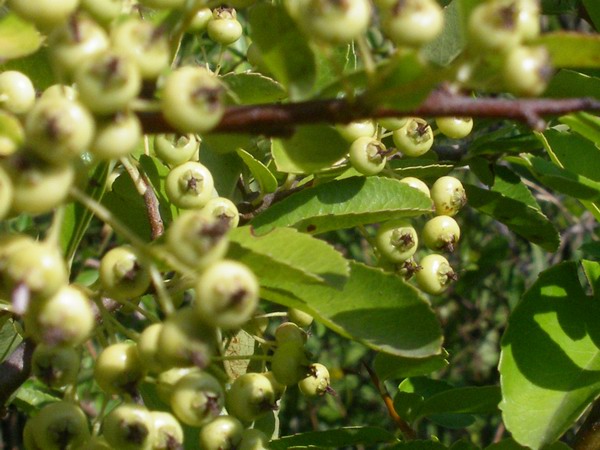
x=397, y=241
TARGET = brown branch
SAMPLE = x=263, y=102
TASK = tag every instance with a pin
x=405, y=428
x=281, y=119
x=157, y=227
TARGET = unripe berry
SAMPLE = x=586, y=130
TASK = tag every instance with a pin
x=317, y=382
x=413, y=22
x=55, y=366
x=124, y=274
x=417, y=184
x=175, y=149
x=197, y=399
x=251, y=396
x=415, y=138
x=397, y=240
x=169, y=434
x=527, y=70
x=223, y=433
x=290, y=332
x=189, y=185
x=192, y=100
x=367, y=155
x=455, y=127
x=60, y=425
x=441, y=233
x=129, y=427
x=448, y=195
x=226, y=295
x=289, y=363
x=223, y=209
x=17, y=94
x=435, y=274
x=354, y=130
x=224, y=28
x=119, y=368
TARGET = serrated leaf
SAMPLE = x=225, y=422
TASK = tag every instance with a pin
x=263, y=176
x=522, y=219
x=451, y=41
x=376, y=308
x=420, y=168
x=389, y=366
x=585, y=124
x=338, y=438
x=310, y=149
x=344, y=204
x=300, y=252
x=564, y=181
x=9, y=337
x=550, y=361
x=253, y=88
x=573, y=50
x=509, y=184
x=218, y=153
x=466, y=400
x=284, y=50
x=18, y=37
x=572, y=152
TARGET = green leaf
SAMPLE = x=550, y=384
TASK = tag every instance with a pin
x=253, y=88
x=311, y=148
x=510, y=444
x=572, y=50
x=225, y=166
x=9, y=337
x=509, y=184
x=585, y=124
x=77, y=217
x=451, y=41
x=592, y=274
x=521, y=218
x=568, y=83
x=560, y=6
x=420, y=168
x=564, y=181
x=466, y=400
x=418, y=445
x=403, y=82
x=344, y=204
x=376, y=308
x=550, y=361
x=338, y=438
x=18, y=37
x=593, y=9
x=315, y=259
x=263, y=176
x=285, y=51
x=389, y=366
x=32, y=395
x=572, y=152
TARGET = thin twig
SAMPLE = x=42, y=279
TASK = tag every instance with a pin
x=405, y=428
x=281, y=119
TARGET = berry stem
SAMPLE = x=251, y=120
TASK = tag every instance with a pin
x=162, y=295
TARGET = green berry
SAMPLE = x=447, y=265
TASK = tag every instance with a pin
x=17, y=94
x=174, y=149
x=527, y=70
x=192, y=100
x=441, y=233
x=415, y=138
x=396, y=240
x=455, y=127
x=250, y=397
x=289, y=363
x=367, y=156
x=224, y=28
x=435, y=274
x=417, y=184
x=129, y=427
x=317, y=383
x=119, y=368
x=189, y=185
x=55, y=366
x=448, y=195
x=223, y=433
x=60, y=425
x=226, y=294
x=124, y=274
x=197, y=398
x=413, y=22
